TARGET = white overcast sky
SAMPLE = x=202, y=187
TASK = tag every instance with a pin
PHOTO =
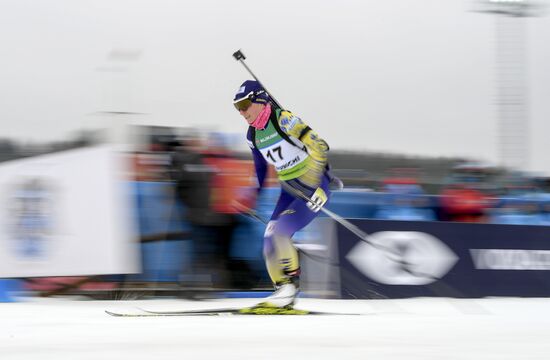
x=400, y=76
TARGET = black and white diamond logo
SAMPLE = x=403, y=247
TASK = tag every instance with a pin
x=405, y=258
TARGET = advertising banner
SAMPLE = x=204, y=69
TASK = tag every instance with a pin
x=444, y=259
x=66, y=214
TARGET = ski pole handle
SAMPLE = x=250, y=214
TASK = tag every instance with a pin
x=238, y=55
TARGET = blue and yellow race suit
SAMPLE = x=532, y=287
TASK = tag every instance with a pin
x=299, y=157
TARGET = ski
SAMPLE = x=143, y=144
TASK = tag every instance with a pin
x=226, y=312
x=202, y=313
x=191, y=312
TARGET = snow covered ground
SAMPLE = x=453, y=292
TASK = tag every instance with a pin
x=501, y=328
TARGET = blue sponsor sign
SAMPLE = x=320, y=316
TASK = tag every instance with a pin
x=415, y=258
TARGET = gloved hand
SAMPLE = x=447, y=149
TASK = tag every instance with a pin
x=317, y=200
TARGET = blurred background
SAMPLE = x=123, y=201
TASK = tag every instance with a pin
x=121, y=153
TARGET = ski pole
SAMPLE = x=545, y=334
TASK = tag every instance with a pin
x=351, y=227
x=254, y=215
x=248, y=211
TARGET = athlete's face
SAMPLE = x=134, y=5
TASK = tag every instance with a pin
x=252, y=112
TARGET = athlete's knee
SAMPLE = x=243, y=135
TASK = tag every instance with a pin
x=269, y=247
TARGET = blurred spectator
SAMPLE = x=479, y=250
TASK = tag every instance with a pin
x=403, y=181
x=523, y=203
x=405, y=201
x=153, y=164
x=517, y=211
x=468, y=194
x=544, y=184
x=518, y=184
x=464, y=204
x=545, y=213
x=229, y=177
x=204, y=183
x=405, y=207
